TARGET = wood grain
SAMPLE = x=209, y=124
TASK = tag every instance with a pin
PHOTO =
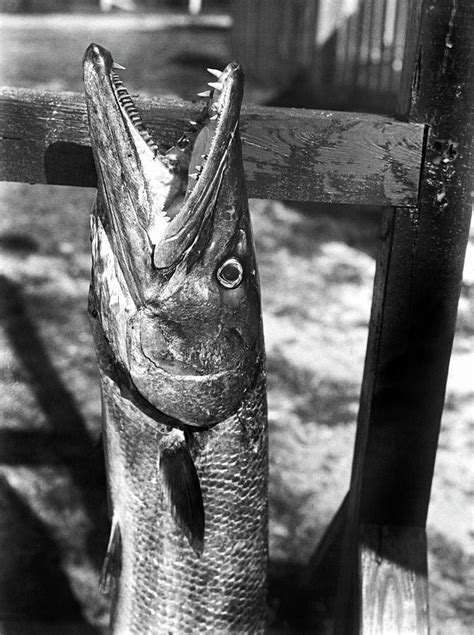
x=394, y=580
x=292, y=154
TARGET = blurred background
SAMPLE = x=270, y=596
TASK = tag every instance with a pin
x=316, y=266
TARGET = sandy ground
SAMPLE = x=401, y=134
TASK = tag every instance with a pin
x=317, y=267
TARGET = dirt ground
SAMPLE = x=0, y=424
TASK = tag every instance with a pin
x=316, y=266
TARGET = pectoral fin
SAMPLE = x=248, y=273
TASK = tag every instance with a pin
x=183, y=488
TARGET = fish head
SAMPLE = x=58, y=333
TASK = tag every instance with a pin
x=175, y=284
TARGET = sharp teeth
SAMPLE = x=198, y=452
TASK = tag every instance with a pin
x=194, y=176
x=203, y=156
x=205, y=93
x=118, y=67
x=213, y=117
x=214, y=72
x=216, y=85
x=199, y=168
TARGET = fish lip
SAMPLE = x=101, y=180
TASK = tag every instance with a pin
x=182, y=231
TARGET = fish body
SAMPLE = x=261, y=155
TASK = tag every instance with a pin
x=175, y=310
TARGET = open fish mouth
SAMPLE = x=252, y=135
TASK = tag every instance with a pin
x=181, y=181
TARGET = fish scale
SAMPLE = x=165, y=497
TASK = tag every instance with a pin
x=231, y=460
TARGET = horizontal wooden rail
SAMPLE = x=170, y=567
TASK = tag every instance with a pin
x=294, y=154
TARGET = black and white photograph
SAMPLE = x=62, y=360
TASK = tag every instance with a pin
x=236, y=317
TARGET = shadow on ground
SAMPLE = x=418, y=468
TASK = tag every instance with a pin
x=32, y=583
x=68, y=441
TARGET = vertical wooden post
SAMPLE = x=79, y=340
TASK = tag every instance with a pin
x=383, y=584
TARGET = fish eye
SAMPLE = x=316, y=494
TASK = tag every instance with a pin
x=230, y=273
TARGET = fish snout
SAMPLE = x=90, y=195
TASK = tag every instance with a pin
x=97, y=57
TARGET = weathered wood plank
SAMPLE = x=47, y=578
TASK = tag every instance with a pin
x=394, y=580
x=289, y=153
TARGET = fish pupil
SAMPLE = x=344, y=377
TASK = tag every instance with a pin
x=230, y=273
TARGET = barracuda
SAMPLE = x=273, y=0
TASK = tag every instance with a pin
x=175, y=310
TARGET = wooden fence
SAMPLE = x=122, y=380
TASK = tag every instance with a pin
x=348, y=53
x=419, y=170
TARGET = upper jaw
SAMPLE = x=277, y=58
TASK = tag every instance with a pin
x=174, y=188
